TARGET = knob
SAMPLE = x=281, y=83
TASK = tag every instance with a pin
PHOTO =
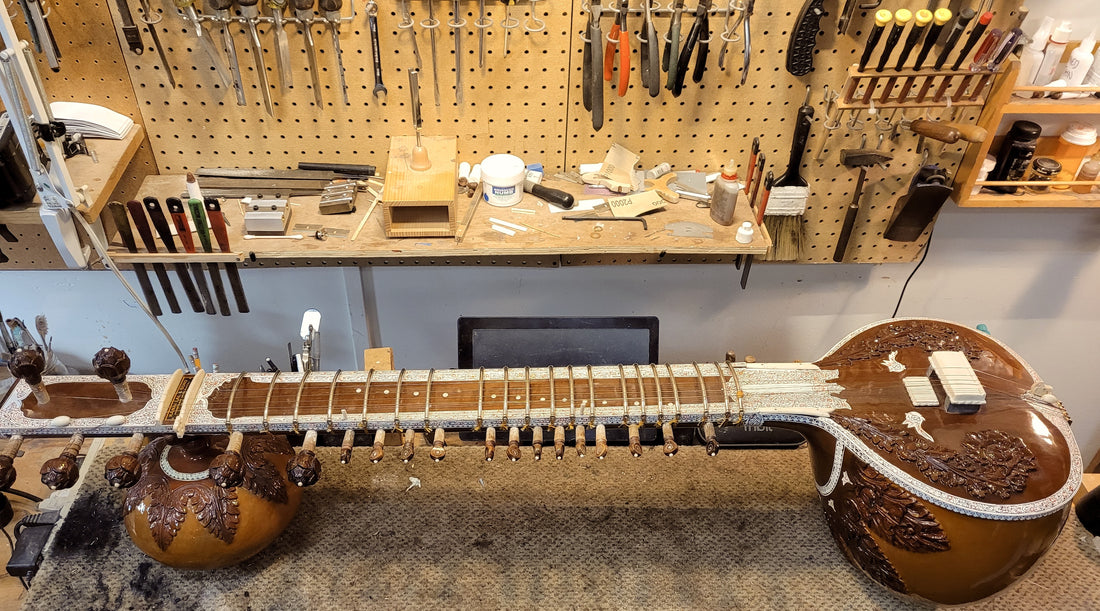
x=124, y=470
x=305, y=469
x=112, y=365
x=27, y=364
x=7, y=461
x=227, y=468
x=62, y=472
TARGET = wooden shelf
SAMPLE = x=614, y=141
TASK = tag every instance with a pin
x=1052, y=199
x=627, y=242
x=1047, y=106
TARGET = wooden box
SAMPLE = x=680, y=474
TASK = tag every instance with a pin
x=420, y=203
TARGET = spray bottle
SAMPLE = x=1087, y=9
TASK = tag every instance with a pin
x=1032, y=56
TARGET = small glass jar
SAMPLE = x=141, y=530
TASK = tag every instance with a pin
x=1042, y=169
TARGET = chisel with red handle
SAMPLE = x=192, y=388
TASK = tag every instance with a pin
x=137, y=212
x=198, y=214
x=160, y=223
x=217, y=225
x=183, y=230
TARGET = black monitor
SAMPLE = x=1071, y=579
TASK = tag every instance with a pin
x=495, y=342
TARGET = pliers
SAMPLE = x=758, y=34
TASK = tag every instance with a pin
x=620, y=35
x=695, y=36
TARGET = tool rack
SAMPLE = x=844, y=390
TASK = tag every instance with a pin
x=527, y=102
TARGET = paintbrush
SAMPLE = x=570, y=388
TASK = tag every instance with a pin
x=788, y=198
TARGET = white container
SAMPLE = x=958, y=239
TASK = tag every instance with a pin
x=502, y=180
x=1032, y=56
x=1052, y=56
x=987, y=167
x=1080, y=61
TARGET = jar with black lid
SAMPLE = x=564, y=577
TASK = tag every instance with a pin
x=1042, y=169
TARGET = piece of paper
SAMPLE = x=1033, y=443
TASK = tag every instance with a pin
x=619, y=164
x=636, y=205
x=583, y=205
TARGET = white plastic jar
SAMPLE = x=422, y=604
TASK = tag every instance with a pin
x=502, y=179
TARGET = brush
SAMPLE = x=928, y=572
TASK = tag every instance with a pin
x=788, y=198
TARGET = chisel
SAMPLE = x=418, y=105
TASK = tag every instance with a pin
x=961, y=21
x=251, y=13
x=183, y=230
x=882, y=18
x=407, y=23
x=198, y=214
x=975, y=34
x=456, y=27
x=137, y=213
x=221, y=13
x=160, y=223
x=303, y=10
x=122, y=222
x=282, y=46
x=901, y=18
x=188, y=8
x=217, y=225
x=147, y=16
x=432, y=24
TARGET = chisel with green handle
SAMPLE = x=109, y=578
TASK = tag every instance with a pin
x=198, y=215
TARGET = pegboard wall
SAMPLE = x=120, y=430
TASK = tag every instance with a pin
x=528, y=102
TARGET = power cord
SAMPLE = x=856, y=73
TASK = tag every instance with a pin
x=927, y=247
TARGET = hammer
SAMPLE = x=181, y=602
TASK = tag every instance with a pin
x=861, y=158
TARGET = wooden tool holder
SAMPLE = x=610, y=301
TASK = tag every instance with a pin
x=909, y=88
x=527, y=102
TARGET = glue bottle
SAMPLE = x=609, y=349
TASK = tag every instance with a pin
x=724, y=199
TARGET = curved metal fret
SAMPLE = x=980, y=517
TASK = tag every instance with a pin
x=397, y=403
x=572, y=402
x=504, y=407
x=527, y=408
x=641, y=393
x=229, y=408
x=675, y=392
x=480, y=395
x=660, y=399
x=298, y=401
x=331, y=396
x=553, y=405
x=428, y=401
x=725, y=395
x=591, y=397
x=366, y=393
x=626, y=405
x=702, y=387
x=267, y=401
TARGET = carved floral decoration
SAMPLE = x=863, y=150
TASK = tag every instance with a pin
x=928, y=335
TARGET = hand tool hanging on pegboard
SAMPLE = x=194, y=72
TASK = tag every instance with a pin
x=303, y=10
x=332, y=19
x=141, y=222
x=961, y=21
x=41, y=34
x=700, y=28
x=939, y=18
x=282, y=45
x=800, y=48
x=251, y=13
x=619, y=39
x=130, y=31
x=376, y=50
x=407, y=23
x=901, y=19
x=592, y=71
x=972, y=39
x=481, y=23
x=160, y=223
x=649, y=54
x=923, y=18
x=456, y=24
x=915, y=210
x=790, y=193
x=431, y=23
x=151, y=18
x=122, y=223
x=183, y=230
x=198, y=215
x=861, y=158
x=882, y=18
x=849, y=11
x=188, y=8
x=671, y=56
x=508, y=23
x=221, y=12
x=744, y=19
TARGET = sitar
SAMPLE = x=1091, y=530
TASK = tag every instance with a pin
x=944, y=464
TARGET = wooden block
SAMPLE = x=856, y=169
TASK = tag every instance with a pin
x=378, y=358
x=420, y=203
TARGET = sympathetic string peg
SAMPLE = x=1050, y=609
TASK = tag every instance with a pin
x=559, y=442
x=305, y=469
x=635, y=441
x=513, y=444
x=490, y=443
x=112, y=365
x=439, y=444
x=346, y=447
x=227, y=468
x=62, y=472
x=7, y=460
x=27, y=364
x=712, y=439
x=578, y=441
x=379, y=449
x=123, y=470
x=671, y=446
x=536, y=442
x=601, y=441
x=408, y=446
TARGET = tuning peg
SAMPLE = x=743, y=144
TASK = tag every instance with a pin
x=439, y=445
x=27, y=364
x=7, y=460
x=513, y=444
x=112, y=365
x=635, y=441
x=578, y=440
x=62, y=472
x=490, y=443
x=379, y=449
x=601, y=441
x=408, y=447
x=671, y=446
x=227, y=468
x=559, y=442
x=536, y=442
x=123, y=470
x=346, y=446
x=712, y=439
x=304, y=469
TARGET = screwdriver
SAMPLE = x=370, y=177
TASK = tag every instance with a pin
x=901, y=18
x=882, y=18
x=972, y=40
x=282, y=47
x=221, y=13
x=251, y=13
x=939, y=19
x=981, y=56
x=961, y=21
x=924, y=17
x=188, y=8
x=332, y=17
x=303, y=10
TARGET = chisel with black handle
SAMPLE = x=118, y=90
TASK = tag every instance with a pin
x=198, y=214
x=137, y=212
x=183, y=230
x=122, y=222
x=217, y=225
x=160, y=223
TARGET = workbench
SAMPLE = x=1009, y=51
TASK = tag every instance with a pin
x=559, y=242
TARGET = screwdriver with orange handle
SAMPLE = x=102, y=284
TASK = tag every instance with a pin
x=620, y=36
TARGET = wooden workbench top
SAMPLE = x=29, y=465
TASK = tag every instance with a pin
x=562, y=238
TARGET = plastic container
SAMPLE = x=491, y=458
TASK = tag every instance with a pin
x=983, y=173
x=502, y=180
x=1042, y=169
x=724, y=199
x=1015, y=155
x=1032, y=56
x=1080, y=62
x=1052, y=56
x=744, y=233
x=1089, y=171
x=1072, y=146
